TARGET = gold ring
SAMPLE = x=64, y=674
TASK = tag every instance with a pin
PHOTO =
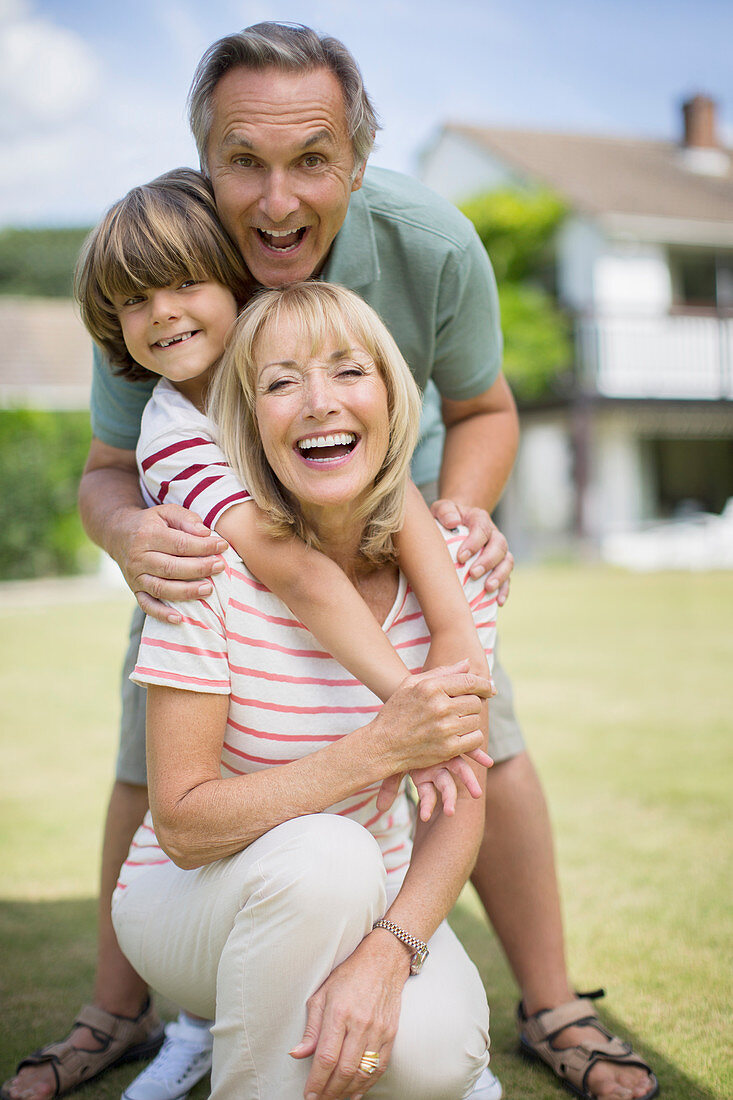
x=369, y=1063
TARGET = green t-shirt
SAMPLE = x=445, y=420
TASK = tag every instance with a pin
x=418, y=262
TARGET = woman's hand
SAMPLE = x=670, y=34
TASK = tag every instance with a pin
x=357, y=1009
x=432, y=717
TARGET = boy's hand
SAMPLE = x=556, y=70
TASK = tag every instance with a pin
x=440, y=779
x=166, y=553
x=484, y=539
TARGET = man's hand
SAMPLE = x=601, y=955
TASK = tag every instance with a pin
x=166, y=553
x=485, y=539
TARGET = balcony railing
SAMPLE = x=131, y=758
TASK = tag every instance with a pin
x=680, y=355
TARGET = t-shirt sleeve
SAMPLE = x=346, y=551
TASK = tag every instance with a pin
x=117, y=404
x=468, y=348
x=181, y=463
x=192, y=655
x=483, y=604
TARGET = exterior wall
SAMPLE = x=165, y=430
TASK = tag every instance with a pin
x=537, y=511
x=457, y=169
x=620, y=492
x=600, y=273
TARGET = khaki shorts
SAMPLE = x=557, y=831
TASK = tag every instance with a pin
x=505, y=734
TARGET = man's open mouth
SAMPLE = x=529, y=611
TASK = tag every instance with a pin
x=324, y=448
x=282, y=240
x=179, y=339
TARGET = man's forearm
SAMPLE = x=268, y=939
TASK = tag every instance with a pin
x=106, y=496
x=478, y=457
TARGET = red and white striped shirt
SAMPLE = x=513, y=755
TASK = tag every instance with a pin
x=179, y=460
x=288, y=697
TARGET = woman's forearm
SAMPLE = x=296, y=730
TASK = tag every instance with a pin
x=200, y=817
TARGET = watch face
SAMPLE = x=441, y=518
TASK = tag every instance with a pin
x=418, y=959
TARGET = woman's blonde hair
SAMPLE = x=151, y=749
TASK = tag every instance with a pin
x=158, y=233
x=322, y=311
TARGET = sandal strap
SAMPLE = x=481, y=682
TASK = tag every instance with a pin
x=117, y=1034
x=573, y=1064
x=543, y=1026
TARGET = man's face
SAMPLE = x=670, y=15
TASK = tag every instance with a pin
x=281, y=164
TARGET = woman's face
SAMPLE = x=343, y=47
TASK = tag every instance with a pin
x=323, y=417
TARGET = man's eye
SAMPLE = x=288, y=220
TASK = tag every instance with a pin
x=313, y=160
x=244, y=162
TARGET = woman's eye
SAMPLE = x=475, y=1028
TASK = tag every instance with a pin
x=351, y=372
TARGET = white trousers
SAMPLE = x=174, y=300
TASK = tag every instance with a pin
x=248, y=939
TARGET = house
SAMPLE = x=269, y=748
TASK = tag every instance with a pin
x=45, y=355
x=644, y=264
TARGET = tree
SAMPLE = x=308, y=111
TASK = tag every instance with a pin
x=516, y=229
x=39, y=262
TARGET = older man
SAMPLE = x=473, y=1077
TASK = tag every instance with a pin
x=284, y=129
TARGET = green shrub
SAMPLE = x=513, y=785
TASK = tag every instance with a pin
x=39, y=262
x=42, y=455
x=537, y=344
x=517, y=229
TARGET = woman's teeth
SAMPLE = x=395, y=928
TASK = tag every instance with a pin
x=342, y=439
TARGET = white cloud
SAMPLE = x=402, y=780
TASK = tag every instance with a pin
x=47, y=73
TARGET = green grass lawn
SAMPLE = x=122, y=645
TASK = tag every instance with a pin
x=624, y=688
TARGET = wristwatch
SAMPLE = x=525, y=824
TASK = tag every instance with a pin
x=418, y=947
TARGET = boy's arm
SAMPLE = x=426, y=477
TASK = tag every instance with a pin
x=426, y=562
x=319, y=594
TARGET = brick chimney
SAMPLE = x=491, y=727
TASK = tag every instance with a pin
x=699, y=122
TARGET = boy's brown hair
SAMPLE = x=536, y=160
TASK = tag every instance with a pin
x=158, y=233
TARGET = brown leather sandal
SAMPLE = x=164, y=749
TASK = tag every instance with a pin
x=573, y=1064
x=123, y=1039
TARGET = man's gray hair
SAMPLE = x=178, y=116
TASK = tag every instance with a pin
x=291, y=47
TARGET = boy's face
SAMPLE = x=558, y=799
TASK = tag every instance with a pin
x=178, y=331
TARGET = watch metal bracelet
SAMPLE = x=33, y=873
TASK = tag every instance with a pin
x=418, y=947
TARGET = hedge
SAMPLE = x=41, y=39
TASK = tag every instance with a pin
x=42, y=455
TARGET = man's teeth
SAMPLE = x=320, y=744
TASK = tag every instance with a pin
x=342, y=439
x=270, y=236
x=174, y=340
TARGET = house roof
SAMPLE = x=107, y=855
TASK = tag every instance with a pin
x=608, y=175
x=45, y=354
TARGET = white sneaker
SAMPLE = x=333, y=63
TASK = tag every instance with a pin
x=487, y=1087
x=182, y=1061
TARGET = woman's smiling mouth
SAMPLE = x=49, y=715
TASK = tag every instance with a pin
x=327, y=448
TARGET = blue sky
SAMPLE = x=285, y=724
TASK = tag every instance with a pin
x=92, y=95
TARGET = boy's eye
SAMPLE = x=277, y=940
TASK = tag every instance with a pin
x=133, y=301
x=188, y=282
